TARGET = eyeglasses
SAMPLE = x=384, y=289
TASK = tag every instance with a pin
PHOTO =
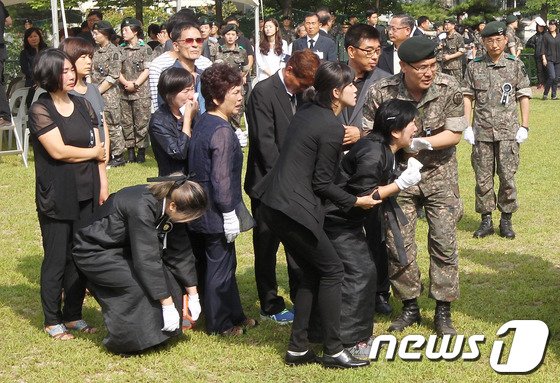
x=393, y=29
x=190, y=40
x=424, y=68
x=368, y=52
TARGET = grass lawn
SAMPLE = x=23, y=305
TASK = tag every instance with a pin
x=501, y=280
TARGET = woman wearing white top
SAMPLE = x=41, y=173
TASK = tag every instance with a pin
x=271, y=50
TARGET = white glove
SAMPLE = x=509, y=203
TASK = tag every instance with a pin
x=468, y=135
x=411, y=176
x=171, y=319
x=194, y=306
x=418, y=144
x=521, y=135
x=241, y=136
x=231, y=226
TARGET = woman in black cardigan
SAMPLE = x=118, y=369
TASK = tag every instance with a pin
x=293, y=196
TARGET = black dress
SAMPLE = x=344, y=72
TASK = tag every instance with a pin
x=128, y=270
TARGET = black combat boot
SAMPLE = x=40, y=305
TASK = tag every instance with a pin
x=116, y=161
x=409, y=315
x=506, y=230
x=486, y=227
x=382, y=305
x=131, y=155
x=442, y=319
x=141, y=157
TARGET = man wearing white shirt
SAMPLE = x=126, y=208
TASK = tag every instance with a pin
x=400, y=28
x=323, y=47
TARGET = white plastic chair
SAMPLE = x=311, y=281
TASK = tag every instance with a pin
x=17, y=103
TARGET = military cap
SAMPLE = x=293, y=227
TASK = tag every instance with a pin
x=494, y=28
x=450, y=21
x=28, y=21
x=228, y=28
x=131, y=22
x=102, y=24
x=286, y=18
x=203, y=20
x=510, y=19
x=417, y=48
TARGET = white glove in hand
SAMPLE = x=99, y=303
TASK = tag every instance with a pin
x=418, y=144
x=231, y=226
x=521, y=135
x=194, y=306
x=241, y=136
x=411, y=176
x=468, y=135
x=171, y=319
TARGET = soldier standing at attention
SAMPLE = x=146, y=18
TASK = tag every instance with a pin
x=453, y=49
x=514, y=45
x=135, y=96
x=105, y=74
x=497, y=83
x=441, y=121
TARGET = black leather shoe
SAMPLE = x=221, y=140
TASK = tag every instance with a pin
x=486, y=227
x=293, y=360
x=131, y=155
x=442, y=319
x=409, y=315
x=382, y=305
x=506, y=229
x=344, y=360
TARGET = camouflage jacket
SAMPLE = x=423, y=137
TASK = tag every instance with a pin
x=453, y=43
x=236, y=57
x=134, y=60
x=106, y=66
x=495, y=110
x=479, y=45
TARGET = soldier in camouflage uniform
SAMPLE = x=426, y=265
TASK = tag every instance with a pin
x=440, y=123
x=287, y=30
x=452, y=51
x=236, y=56
x=497, y=83
x=105, y=74
x=135, y=96
x=477, y=40
x=514, y=45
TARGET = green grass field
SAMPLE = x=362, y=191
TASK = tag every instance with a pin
x=501, y=280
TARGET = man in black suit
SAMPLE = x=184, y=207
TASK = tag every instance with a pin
x=326, y=21
x=400, y=27
x=324, y=47
x=372, y=18
x=270, y=109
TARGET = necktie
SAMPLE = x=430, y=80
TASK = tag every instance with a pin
x=293, y=103
x=311, y=43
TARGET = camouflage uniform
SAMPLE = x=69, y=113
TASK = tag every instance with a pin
x=453, y=43
x=288, y=34
x=495, y=126
x=106, y=67
x=480, y=49
x=440, y=108
x=136, y=106
x=237, y=58
x=513, y=41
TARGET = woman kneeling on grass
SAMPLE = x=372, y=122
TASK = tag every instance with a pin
x=138, y=263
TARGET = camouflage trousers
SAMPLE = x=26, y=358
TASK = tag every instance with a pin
x=443, y=210
x=487, y=159
x=135, y=118
x=116, y=137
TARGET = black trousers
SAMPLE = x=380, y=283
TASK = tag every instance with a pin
x=265, y=246
x=360, y=279
x=541, y=70
x=4, y=104
x=216, y=264
x=322, y=274
x=553, y=75
x=375, y=238
x=58, y=270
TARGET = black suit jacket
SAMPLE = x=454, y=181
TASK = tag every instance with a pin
x=302, y=178
x=386, y=59
x=323, y=44
x=268, y=114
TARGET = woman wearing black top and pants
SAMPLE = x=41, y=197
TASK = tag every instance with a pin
x=70, y=184
x=551, y=58
x=293, y=194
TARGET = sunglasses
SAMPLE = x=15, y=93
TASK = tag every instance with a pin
x=190, y=40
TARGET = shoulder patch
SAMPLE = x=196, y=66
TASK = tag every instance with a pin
x=478, y=59
x=509, y=56
x=458, y=98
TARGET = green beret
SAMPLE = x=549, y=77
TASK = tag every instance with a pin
x=416, y=49
x=450, y=21
x=102, y=24
x=228, y=28
x=203, y=20
x=510, y=19
x=131, y=22
x=494, y=28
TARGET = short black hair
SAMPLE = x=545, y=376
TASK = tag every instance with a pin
x=421, y=20
x=371, y=11
x=393, y=115
x=95, y=12
x=154, y=29
x=358, y=32
x=172, y=81
x=185, y=14
x=180, y=27
x=48, y=67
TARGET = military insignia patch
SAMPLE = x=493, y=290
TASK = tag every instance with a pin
x=458, y=98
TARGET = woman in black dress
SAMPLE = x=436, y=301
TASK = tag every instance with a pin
x=71, y=183
x=138, y=264
x=293, y=196
x=33, y=43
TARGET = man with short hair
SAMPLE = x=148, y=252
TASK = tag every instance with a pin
x=92, y=18
x=324, y=47
x=496, y=83
x=515, y=45
x=423, y=26
x=372, y=18
x=440, y=123
x=452, y=51
x=270, y=109
x=287, y=30
x=400, y=27
x=325, y=22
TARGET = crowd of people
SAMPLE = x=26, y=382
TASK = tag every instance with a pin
x=346, y=151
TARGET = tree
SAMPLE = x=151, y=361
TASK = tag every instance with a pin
x=543, y=7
